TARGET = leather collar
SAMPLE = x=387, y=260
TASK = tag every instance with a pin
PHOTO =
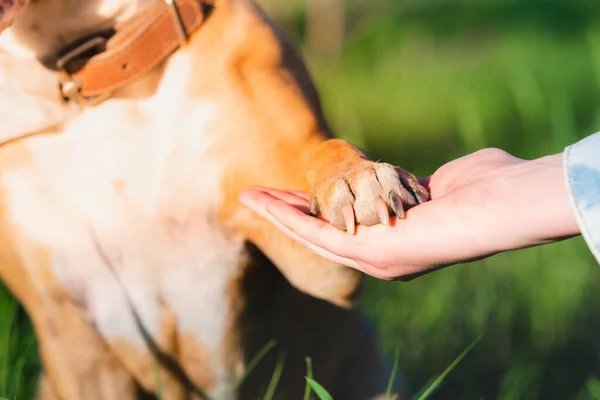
x=95, y=67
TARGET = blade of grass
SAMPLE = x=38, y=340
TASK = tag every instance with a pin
x=256, y=359
x=275, y=378
x=436, y=383
x=319, y=390
x=308, y=375
x=159, y=386
x=388, y=393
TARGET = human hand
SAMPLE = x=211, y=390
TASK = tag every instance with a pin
x=481, y=204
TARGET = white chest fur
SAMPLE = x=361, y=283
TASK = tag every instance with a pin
x=125, y=199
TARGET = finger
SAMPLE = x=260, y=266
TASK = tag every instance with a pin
x=258, y=201
x=424, y=181
x=257, y=198
x=304, y=195
x=287, y=195
x=407, y=277
x=295, y=197
x=313, y=230
x=328, y=255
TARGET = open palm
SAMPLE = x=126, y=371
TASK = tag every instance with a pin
x=481, y=204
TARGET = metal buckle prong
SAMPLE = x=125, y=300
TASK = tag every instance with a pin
x=178, y=22
x=70, y=89
x=97, y=41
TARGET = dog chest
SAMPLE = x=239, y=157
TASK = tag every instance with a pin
x=128, y=216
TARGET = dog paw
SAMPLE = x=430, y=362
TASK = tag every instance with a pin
x=365, y=193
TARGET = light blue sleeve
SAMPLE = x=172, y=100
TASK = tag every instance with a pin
x=582, y=171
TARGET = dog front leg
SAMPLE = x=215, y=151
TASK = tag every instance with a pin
x=346, y=187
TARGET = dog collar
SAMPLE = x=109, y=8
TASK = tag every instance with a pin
x=94, y=68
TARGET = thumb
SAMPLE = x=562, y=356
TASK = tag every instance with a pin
x=425, y=182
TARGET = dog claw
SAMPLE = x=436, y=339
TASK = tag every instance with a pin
x=396, y=205
x=366, y=193
x=419, y=197
x=314, y=207
x=348, y=214
x=382, y=211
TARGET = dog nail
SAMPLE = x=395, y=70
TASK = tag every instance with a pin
x=419, y=197
x=396, y=205
x=314, y=207
x=348, y=214
x=382, y=211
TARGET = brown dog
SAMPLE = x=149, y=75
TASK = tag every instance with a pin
x=121, y=230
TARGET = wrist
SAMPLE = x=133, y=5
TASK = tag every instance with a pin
x=533, y=196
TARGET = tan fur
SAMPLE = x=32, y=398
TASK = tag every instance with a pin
x=124, y=238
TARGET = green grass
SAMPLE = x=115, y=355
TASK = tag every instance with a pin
x=418, y=90
x=19, y=365
x=430, y=389
x=424, y=394
x=419, y=86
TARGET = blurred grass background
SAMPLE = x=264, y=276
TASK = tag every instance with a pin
x=418, y=83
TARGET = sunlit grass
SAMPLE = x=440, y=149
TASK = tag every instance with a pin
x=418, y=99
x=19, y=365
x=424, y=394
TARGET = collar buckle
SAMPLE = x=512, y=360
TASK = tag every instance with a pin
x=69, y=87
x=174, y=10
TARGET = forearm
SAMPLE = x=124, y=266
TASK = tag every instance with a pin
x=487, y=203
x=534, y=205
x=514, y=205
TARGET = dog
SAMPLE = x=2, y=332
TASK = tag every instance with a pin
x=129, y=129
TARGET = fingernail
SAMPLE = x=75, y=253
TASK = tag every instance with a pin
x=247, y=198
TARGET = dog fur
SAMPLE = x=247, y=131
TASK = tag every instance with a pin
x=121, y=230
